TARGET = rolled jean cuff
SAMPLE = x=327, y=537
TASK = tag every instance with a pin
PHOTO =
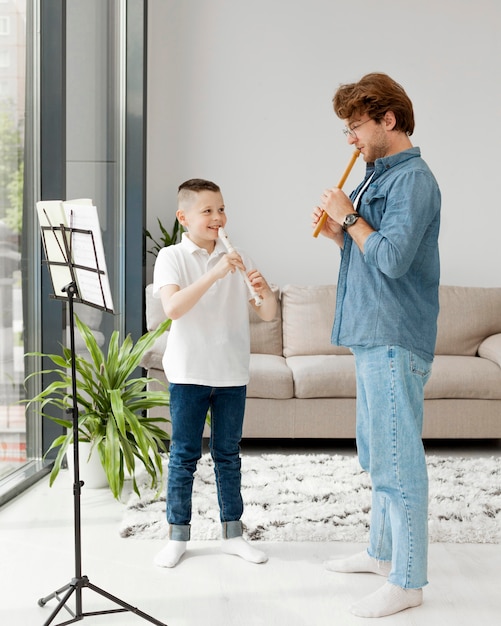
x=231, y=529
x=178, y=532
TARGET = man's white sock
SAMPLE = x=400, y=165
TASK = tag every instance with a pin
x=360, y=562
x=388, y=600
x=239, y=547
x=169, y=556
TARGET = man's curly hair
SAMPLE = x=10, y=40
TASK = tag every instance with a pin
x=375, y=94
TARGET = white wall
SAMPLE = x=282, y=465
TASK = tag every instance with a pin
x=240, y=93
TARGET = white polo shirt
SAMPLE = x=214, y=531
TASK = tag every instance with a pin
x=210, y=344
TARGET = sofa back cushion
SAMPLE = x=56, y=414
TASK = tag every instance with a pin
x=467, y=316
x=307, y=317
x=266, y=337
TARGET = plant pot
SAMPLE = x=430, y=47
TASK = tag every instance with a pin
x=91, y=470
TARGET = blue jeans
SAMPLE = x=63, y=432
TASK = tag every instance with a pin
x=390, y=401
x=188, y=408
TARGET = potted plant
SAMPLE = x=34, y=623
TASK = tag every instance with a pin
x=112, y=404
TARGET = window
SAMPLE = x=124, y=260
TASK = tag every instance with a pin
x=52, y=115
x=15, y=335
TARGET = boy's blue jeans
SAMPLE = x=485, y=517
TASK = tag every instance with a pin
x=390, y=402
x=188, y=408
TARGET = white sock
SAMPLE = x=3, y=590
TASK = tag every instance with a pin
x=239, y=547
x=388, y=600
x=360, y=562
x=169, y=556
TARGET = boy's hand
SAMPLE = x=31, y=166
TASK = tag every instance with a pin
x=259, y=283
x=268, y=308
x=228, y=263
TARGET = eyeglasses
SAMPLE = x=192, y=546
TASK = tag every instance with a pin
x=352, y=132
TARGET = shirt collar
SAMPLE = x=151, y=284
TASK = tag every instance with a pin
x=386, y=163
x=193, y=248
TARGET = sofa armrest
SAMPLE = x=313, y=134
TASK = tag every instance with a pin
x=490, y=348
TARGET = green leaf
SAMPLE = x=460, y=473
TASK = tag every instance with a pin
x=166, y=239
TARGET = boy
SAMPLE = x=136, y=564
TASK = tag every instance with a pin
x=206, y=363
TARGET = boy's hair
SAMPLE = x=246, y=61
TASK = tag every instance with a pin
x=375, y=94
x=194, y=185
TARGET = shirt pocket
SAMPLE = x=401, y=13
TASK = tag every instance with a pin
x=371, y=207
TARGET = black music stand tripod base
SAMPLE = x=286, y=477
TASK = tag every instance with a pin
x=76, y=585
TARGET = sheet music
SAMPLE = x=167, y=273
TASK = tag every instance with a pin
x=87, y=265
x=51, y=215
x=88, y=252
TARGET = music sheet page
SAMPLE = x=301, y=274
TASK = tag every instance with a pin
x=88, y=254
x=63, y=223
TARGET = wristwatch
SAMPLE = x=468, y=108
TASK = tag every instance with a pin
x=349, y=220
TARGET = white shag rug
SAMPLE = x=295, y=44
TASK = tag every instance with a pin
x=321, y=497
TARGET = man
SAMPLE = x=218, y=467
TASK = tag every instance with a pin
x=386, y=313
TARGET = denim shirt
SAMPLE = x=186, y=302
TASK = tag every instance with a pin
x=388, y=295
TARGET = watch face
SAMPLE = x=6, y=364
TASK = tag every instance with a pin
x=349, y=220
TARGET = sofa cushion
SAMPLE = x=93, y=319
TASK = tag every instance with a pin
x=490, y=349
x=464, y=377
x=467, y=316
x=269, y=377
x=307, y=318
x=323, y=376
x=266, y=337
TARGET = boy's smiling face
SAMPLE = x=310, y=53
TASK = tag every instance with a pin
x=202, y=214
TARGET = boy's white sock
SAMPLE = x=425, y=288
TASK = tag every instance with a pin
x=239, y=547
x=169, y=556
x=360, y=562
x=388, y=600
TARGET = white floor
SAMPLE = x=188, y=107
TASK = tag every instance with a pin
x=209, y=588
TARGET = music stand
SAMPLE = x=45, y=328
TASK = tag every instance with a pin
x=58, y=242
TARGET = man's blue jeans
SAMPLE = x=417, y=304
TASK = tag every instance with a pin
x=188, y=408
x=390, y=402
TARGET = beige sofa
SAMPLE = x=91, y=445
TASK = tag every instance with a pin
x=301, y=386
